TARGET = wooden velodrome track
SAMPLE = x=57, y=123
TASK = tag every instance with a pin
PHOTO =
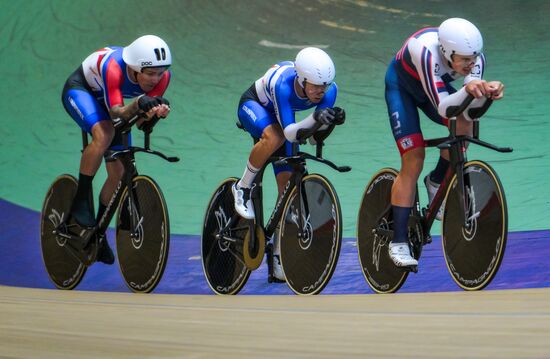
x=41, y=323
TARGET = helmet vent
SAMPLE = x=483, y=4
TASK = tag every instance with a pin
x=160, y=54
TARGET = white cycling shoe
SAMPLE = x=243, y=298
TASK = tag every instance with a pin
x=243, y=202
x=401, y=255
x=278, y=273
x=278, y=269
x=432, y=190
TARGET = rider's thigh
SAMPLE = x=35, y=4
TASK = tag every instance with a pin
x=255, y=118
x=273, y=136
x=84, y=108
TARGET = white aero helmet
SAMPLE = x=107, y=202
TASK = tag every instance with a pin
x=314, y=66
x=459, y=36
x=147, y=51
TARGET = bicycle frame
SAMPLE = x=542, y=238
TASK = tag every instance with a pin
x=295, y=181
x=126, y=155
x=297, y=161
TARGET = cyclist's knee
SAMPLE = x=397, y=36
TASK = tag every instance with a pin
x=273, y=137
x=412, y=163
x=102, y=134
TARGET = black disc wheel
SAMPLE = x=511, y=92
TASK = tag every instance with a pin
x=222, y=242
x=63, y=268
x=375, y=217
x=142, y=235
x=474, y=247
x=311, y=235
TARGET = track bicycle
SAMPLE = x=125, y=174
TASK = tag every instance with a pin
x=307, y=218
x=474, y=223
x=142, y=226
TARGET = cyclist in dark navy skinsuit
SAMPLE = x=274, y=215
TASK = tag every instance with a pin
x=419, y=77
x=94, y=97
x=267, y=111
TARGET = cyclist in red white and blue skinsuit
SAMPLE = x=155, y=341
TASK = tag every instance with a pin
x=419, y=77
x=93, y=96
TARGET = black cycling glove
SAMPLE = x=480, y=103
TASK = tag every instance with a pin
x=146, y=103
x=324, y=116
x=339, y=116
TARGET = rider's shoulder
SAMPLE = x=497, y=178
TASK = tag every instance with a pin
x=423, y=45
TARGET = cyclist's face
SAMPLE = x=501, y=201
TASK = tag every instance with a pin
x=463, y=64
x=149, y=78
x=315, y=93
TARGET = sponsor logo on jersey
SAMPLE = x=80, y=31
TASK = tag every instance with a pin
x=249, y=113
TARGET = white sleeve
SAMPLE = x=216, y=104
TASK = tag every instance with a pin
x=425, y=64
x=452, y=100
x=291, y=130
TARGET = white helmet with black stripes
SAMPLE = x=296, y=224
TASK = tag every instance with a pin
x=147, y=51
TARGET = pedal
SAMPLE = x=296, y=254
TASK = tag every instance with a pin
x=428, y=239
x=413, y=269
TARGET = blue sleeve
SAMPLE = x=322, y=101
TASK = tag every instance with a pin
x=280, y=93
x=330, y=97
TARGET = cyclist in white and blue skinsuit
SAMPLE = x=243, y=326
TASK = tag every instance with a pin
x=419, y=78
x=267, y=108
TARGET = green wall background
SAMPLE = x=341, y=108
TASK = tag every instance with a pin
x=219, y=49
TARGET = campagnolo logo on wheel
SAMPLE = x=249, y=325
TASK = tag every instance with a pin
x=305, y=240
x=385, y=176
x=470, y=231
x=57, y=218
x=222, y=220
x=232, y=287
x=137, y=241
x=324, y=275
x=379, y=242
x=158, y=267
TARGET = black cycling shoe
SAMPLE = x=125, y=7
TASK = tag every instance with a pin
x=105, y=254
x=82, y=214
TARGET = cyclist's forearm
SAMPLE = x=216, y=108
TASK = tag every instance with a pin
x=291, y=130
x=125, y=112
x=452, y=100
